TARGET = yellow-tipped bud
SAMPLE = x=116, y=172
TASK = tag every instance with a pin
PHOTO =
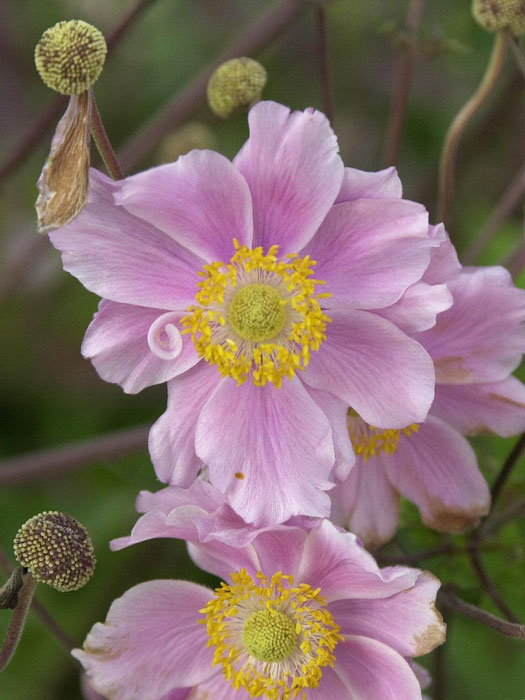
x=494, y=15
x=56, y=549
x=70, y=56
x=235, y=84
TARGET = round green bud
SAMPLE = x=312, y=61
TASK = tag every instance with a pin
x=70, y=56
x=56, y=549
x=495, y=15
x=235, y=84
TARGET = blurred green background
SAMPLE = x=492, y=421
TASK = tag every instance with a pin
x=50, y=395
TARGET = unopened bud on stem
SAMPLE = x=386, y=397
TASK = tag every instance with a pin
x=70, y=56
x=56, y=549
x=235, y=84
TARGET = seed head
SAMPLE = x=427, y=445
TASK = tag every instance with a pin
x=494, y=15
x=235, y=84
x=70, y=56
x=56, y=549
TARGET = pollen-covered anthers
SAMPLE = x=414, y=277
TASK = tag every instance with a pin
x=271, y=637
x=257, y=315
x=369, y=441
x=56, y=549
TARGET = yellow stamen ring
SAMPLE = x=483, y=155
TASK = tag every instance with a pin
x=272, y=638
x=369, y=441
x=257, y=316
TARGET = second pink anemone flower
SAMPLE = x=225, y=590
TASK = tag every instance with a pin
x=253, y=287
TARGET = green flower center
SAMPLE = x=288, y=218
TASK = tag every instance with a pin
x=269, y=635
x=257, y=312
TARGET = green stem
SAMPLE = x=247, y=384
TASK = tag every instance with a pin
x=462, y=120
x=16, y=626
x=102, y=142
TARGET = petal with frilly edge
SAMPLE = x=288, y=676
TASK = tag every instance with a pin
x=294, y=173
x=444, y=263
x=172, y=437
x=201, y=200
x=498, y=407
x=408, y=621
x=371, y=670
x=360, y=184
x=116, y=342
x=366, y=503
x=123, y=258
x=269, y=450
x=369, y=251
x=418, y=308
x=336, y=562
x=150, y=642
x=481, y=338
x=436, y=468
x=384, y=375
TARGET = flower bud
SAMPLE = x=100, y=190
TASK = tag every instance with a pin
x=235, y=84
x=70, y=56
x=56, y=549
x=494, y=15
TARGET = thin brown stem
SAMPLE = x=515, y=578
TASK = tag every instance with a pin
x=103, y=143
x=404, y=83
x=18, y=619
x=324, y=63
x=517, y=53
x=507, y=203
x=509, y=629
x=461, y=122
x=416, y=557
x=486, y=581
x=53, y=462
x=45, y=121
x=507, y=468
x=192, y=95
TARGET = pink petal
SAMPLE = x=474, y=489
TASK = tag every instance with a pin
x=116, y=342
x=172, y=437
x=201, y=201
x=359, y=184
x=407, y=621
x=369, y=251
x=164, y=337
x=444, y=263
x=482, y=336
x=222, y=560
x=123, y=258
x=498, y=407
x=418, y=307
x=218, y=688
x=382, y=374
x=291, y=164
x=336, y=411
x=436, y=468
x=150, y=642
x=366, y=503
x=269, y=450
x=371, y=670
x=335, y=561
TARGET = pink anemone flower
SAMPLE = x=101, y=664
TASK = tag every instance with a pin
x=475, y=345
x=298, y=614
x=254, y=287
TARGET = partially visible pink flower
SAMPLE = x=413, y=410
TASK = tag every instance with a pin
x=475, y=345
x=255, y=288
x=309, y=612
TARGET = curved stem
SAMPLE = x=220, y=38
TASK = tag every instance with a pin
x=16, y=626
x=509, y=629
x=102, y=142
x=461, y=122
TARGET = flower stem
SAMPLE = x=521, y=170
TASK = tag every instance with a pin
x=461, y=122
x=16, y=626
x=102, y=142
x=509, y=629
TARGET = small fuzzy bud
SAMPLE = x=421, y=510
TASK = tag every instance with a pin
x=235, y=84
x=494, y=15
x=56, y=549
x=70, y=56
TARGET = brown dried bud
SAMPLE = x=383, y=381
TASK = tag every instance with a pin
x=494, y=15
x=235, y=84
x=70, y=56
x=56, y=549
